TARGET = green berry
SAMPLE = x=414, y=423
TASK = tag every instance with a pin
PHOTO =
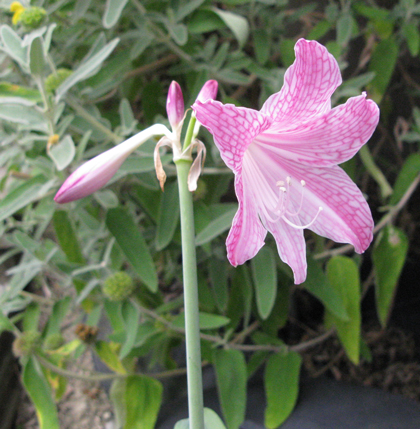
x=118, y=286
x=26, y=343
x=54, y=80
x=33, y=17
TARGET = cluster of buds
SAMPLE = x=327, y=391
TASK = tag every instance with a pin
x=31, y=18
x=97, y=172
x=118, y=286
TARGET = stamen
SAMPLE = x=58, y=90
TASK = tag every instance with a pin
x=303, y=226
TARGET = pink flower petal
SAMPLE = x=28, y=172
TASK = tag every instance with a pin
x=328, y=139
x=208, y=91
x=233, y=128
x=346, y=217
x=308, y=86
x=291, y=247
x=246, y=236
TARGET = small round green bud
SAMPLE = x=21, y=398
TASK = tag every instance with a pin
x=118, y=286
x=33, y=17
x=54, y=80
x=53, y=341
x=26, y=343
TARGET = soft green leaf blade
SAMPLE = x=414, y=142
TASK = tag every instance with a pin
x=317, y=284
x=281, y=382
x=388, y=256
x=143, y=397
x=36, y=57
x=343, y=275
x=116, y=395
x=21, y=196
x=344, y=29
x=15, y=92
x=409, y=171
x=113, y=10
x=383, y=61
x=21, y=114
x=212, y=420
x=412, y=36
x=206, y=321
x=13, y=45
x=236, y=23
x=57, y=315
x=108, y=353
x=182, y=424
x=63, y=152
x=40, y=393
x=219, y=281
x=67, y=238
x=5, y=324
x=128, y=236
x=85, y=69
x=168, y=216
x=264, y=274
x=231, y=376
x=216, y=227
x=261, y=45
x=131, y=315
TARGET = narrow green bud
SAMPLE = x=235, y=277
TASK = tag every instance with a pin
x=118, y=286
x=33, y=17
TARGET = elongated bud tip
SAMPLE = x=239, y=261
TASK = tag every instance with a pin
x=175, y=105
x=208, y=91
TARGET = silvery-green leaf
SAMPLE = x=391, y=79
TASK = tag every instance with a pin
x=237, y=24
x=113, y=9
x=13, y=45
x=63, y=152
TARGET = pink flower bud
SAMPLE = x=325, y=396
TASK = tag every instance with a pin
x=175, y=105
x=96, y=173
x=208, y=91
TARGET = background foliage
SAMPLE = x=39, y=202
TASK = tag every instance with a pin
x=86, y=74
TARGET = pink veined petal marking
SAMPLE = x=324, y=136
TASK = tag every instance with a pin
x=285, y=162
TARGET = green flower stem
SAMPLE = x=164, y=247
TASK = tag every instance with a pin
x=190, y=131
x=192, y=328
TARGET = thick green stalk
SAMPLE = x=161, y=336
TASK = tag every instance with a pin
x=192, y=329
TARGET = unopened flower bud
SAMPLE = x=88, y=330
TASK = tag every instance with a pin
x=26, y=343
x=118, y=286
x=17, y=9
x=33, y=17
x=54, y=80
x=208, y=91
x=175, y=105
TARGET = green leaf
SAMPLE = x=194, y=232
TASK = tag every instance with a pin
x=21, y=196
x=40, y=393
x=86, y=68
x=13, y=45
x=128, y=236
x=206, y=321
x=264, y=274
x=318, y=285
x=57, y=315
x=344, y=29
x=143, y=397
x=383, y=61
x=409, y=171
x=16, y=92
x=66, y=237
x=31, y=317
x=108, y=353
x=63, y=152
x=412, y=36
x=219, y=281
x=388, y=256
x=281, y=382
x=178, y=32
x=21, y=114
x=187, y=9
x=343, y=275
x=211, y=421
x=113, y=9
x=216, y=227
x=168, y=216
x=131, y=315
x=36, y=57
x=261, y=45
x=128, y=122
x=5, y=324
x=236, y=23
x=231, y=376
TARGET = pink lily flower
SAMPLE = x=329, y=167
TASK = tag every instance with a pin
x=285, y=158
